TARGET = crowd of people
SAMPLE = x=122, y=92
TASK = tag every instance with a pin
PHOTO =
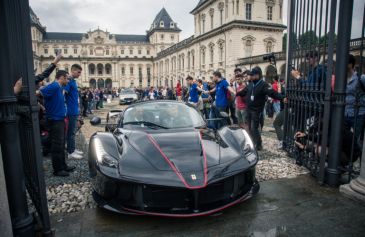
x=245, y=99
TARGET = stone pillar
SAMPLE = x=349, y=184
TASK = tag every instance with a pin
x=5, y=223
x=356, y=188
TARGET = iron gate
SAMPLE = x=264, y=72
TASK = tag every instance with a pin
x=316, y=131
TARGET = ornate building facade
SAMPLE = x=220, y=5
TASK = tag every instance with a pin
x=225, y=31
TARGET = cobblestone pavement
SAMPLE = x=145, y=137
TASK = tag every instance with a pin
x=73, y=194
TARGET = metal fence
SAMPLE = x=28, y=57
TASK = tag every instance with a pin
x=324, y=122
x=20, y=140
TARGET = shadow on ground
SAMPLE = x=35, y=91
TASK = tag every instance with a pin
x=286, y=207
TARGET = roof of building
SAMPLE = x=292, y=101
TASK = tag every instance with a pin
x=163, y=16
x=200, y=3
x=132, y=38
x=63, y=36
x=34, y=20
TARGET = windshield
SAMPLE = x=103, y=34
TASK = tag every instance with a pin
x=127, y=92
x=163, y=115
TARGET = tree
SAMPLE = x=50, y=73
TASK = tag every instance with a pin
x=324, y=39
x=308, y=39
x=285, y=38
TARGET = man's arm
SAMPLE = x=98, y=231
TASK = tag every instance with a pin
x=48, y=70
x=242, y=92
x=230, y=88
x=272, y=93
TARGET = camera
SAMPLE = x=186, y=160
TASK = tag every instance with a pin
x=269, y=57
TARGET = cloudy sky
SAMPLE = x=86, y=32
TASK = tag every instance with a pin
x=129, y=16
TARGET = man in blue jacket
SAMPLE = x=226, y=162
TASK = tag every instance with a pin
x=72, y=102
x=54, y=102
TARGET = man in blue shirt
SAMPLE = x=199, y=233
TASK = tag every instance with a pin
x=72, y=97
x=54, y=102
x=193, y=91
x=221, y=96
x=317, y=73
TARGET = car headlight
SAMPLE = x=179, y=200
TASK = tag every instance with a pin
x=249, y=148
x=103, y=157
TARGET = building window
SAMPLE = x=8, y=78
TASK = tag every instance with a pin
x=162, y=37
x=162, y=24
x=148, y=52
x=123, y=71
x=248, y=48
x=203, y=27
x=75, y=51
x=226, y=9
x=46, y=51
x=131, y=70
x=211, y=54
x=221, y=17
x=64, y=51
x=248, y=11
x=172, y=37
x=56, y=51
x=238, y=7
x=91, y=52
x=107, y=52
x=131, y=51
x=233, y=7
x=269, y=13
x=221, y=52
x=122, y=51
x=211, y=21
x=148, y=77
x=139, y=51
x=203, y=57
x=172, y=25
x=281, y=12
x=66, y=68
x=269, y=47
x=140, y=76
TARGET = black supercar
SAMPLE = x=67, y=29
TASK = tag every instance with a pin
x=159, y=158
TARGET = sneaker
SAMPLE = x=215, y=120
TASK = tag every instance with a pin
x=79, y=152
x=70, y=168
x=75, y=156
x=61, y=173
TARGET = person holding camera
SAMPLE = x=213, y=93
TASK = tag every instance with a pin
x=255, y=94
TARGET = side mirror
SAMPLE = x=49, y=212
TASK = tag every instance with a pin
x=95, y=121
x=224, y=115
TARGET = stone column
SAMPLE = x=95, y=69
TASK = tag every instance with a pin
x=356, y=188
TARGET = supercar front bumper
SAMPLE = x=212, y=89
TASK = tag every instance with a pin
x=142, y=199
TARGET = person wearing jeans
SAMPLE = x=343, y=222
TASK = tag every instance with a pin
x=72, y=96
x=54, y=102
x=221, y=100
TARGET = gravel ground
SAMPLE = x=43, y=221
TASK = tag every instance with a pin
x=73, y=193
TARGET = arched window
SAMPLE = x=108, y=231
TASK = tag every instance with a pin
x=92, y=69
x=269, y=47
x=101, y=83
x=100, y=69
x=248, y=48
x=92, y=83
x=108, y=69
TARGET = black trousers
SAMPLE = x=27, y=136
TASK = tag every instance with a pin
x=57, y=135
x=253, y=123
x=278, y=125
x=232, y=112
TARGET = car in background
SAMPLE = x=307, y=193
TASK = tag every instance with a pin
x=128, y=96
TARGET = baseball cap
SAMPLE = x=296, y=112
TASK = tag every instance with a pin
x=255, y=71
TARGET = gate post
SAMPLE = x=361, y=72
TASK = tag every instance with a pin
x=342, y=55
x=5, y=223
x=356, y=188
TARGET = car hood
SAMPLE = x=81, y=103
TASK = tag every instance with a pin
x=188, y=153
x=127, y=96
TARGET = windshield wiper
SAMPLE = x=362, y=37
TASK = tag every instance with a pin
x=148, y=124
